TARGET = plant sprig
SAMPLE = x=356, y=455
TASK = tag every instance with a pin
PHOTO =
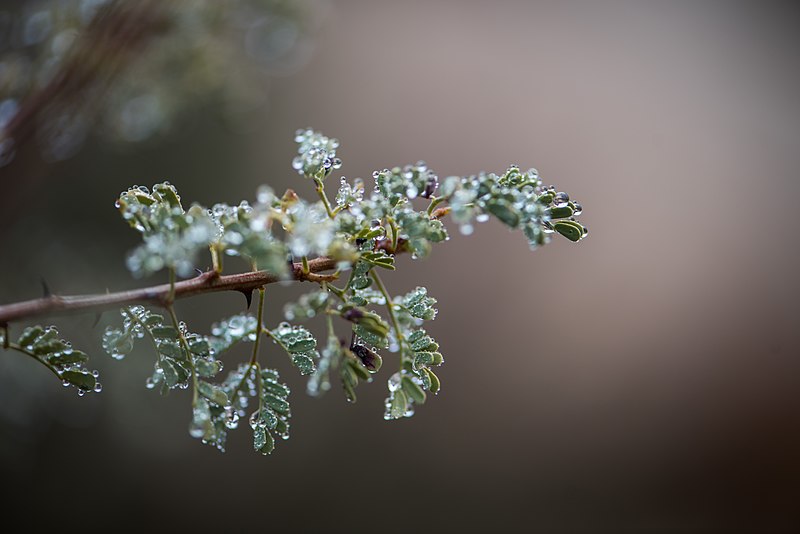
x=287, y=238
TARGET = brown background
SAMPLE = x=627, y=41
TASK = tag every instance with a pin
x=644, y=380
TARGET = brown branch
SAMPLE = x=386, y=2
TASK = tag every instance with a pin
x=112, y=41
x=208, y=282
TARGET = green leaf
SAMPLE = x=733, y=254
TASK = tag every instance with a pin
x=367, y=323
x=207, y=368
x=379, y=259
x=171, y=236
x=263, y=441
x=80, y=379
x=560, y=212
x=435, y=384
x=316, y=154
x=46, y=347
x=397, y=405
x=174, y=374
x=228, y=332
x=117, y=343
x=245, y=231
x=359, y=278
x=304, y=362
x=29, y=335
x=504, y=211
x=307, y=306
x=569, y=229
x=422, y=351
x=370, y=337
x=68, y=358
x=273, y=416
x=300, y=345
x=418, y=304
x=173, y=360
x=213, y=393
x=413, y=390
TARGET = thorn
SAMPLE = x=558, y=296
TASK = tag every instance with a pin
x=198, y=271
x=45, y=288
x=249, y=296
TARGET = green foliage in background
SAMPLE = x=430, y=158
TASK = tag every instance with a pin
x=361, y=233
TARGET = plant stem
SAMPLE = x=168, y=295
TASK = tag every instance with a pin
x=324, y=198
x=185, y=346
x=335, y=290
x=256, y=345
x=216, y=259
x=259, y=326
x=395, y=323
x=208, y=282
x=395, y=234
x=435, y=202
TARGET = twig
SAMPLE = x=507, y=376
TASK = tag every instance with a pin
x=208, y=282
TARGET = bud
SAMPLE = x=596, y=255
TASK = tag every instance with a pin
x=369, y=359
x=369, y=321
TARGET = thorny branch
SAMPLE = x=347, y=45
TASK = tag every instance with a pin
x=208, y=282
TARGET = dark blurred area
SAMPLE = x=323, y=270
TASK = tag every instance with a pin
x=643, y=380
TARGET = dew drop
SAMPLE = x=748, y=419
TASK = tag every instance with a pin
x=560, y=199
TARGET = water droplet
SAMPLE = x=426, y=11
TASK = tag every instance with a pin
x=98, y=387
x=394, y=382
x=466, y=229
x=483, y=217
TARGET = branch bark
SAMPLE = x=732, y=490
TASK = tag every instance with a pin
x=208, y=282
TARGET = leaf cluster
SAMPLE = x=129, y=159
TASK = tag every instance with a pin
x=362, y=232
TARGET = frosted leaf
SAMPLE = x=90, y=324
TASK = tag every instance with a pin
x=300, y=344
x=46, y=346
x=316, y=154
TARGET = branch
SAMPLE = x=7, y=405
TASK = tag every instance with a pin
x=208, y=282
x=113, y=39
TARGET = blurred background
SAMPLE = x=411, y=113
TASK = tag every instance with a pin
x=644, y=380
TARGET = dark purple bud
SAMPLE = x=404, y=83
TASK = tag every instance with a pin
x=369, y=358
x=430, y=186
